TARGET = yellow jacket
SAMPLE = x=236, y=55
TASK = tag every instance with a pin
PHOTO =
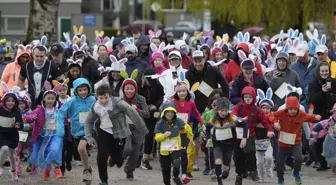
x=332, y=67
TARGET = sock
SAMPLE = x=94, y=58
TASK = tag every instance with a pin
x=218, y=170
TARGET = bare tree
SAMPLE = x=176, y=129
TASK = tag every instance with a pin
x=43, y=20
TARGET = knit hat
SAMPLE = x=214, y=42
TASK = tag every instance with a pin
x=129, y=80
x=265, y=100
x=157, y=52
x=246, y=62
x=223, y=103
x=292, y=102
x=282, y=55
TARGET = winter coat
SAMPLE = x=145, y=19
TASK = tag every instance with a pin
x=233, y=70
x=253, y=113
x=306, y=75
x=168, y=82
x=239, y=84
x=212, y=77
x=74, y=109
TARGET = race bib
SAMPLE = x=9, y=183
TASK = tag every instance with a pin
x=287, y=138
x=223, y=134
x=262, y=144
x=83, y=116
x=240, y=132
x=205, y=89
x=7, y=122
x=170, y=145
x=50, y=124
x=183, y=116
x=23, y=136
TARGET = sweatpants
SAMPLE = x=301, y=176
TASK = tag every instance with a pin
x=264, y=162
x=6, y=151
x=166, y=161
x=107, y=145
x=245, y=159
x=67, y=152
x=134, y=146
x=319, y=150
x=284, y=152
x=191, y=157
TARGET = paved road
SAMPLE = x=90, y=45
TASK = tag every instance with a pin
x=154, y=177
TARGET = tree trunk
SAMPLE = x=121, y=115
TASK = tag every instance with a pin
x=43, y=20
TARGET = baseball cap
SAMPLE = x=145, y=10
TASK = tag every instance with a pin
x=198, y=54
x=56, y=48
x=174, y=55
x=321, y=49
x=170, y=34
x=302, y=49
x=131, y=48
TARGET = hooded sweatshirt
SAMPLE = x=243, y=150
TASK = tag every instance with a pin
x=76, y=109
x=12, y=70
x=292, y=124
x=254, y=114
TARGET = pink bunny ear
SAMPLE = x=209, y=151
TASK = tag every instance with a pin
x=98, y=41
x=162, y=46
x=296, y=42
x=242, y=55
x=151, y=33
x=212, y=33
x=113, y=58
x=289, y=41
x=158, y=33
x=21, y=47
x=106, y=39
x=4, y=86
x=58, y=87
x=75, y=47
x=153, y=47
x=47, y=85
x=28, y=47
x=83, y=47
x=83, y=39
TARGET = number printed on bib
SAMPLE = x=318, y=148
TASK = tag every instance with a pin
x=83, y=116
x=223, y=134
x=50, y=124
x=287, y=138
x=170, y=145
x=183, y=116
x=240, y=132
x=205, y=89
x=23, y=136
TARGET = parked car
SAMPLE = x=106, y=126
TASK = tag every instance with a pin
x=183, y=26
x=140, y=24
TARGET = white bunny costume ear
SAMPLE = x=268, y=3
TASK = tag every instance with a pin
x=74, y=62
x=9, y=93
x=157, y=52
x=117, y=65
x=265, y=100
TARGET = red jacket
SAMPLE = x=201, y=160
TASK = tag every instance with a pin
x=234, y=69
x=293, y=124
x=254, y=114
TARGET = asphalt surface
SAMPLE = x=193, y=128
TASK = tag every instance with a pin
x=154, y=177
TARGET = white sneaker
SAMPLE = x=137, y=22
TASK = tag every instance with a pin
x=78, y=163
x=14, y=175
x=270, y=174
x=1, y=171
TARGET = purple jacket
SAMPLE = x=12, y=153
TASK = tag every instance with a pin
x=38, y=118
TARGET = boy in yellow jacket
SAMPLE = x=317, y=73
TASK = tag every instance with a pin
x=168, y=133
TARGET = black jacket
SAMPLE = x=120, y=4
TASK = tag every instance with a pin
x=90, y=70
x=209, y=75
x=239, y=84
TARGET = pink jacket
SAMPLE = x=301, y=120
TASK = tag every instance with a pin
x=37, y=117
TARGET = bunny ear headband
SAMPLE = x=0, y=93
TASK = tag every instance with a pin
x=79, y=40
x=100, y=41
x=23, y=48
x=154, y=35
x=206, y=41
x=78, y=31
x=15, y=90
x=124, y=74
x=224, y=38
x=292, y=34
x=48, y=89
x=41, y=42
x=72, y=62
x=65, y=83
x=240, y=38
x=291, y=89
x=67, y=44
x=77, y=49
x=118, y=65
x=265, y=100
x=102, y=69
x=245, y=60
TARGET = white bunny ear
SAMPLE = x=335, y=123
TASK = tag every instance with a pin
x=123, y=61
x=4, y=86
x=113, y=59
x=242, y=55
x=309, y=35
x=185, y=36
x=75, y=47
x=315, y=34
x=162, y=46
x=261, y=94
x=153, y=47
x=83, y=47
x=269, y=93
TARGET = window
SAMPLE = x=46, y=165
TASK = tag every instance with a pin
x=2, y=24
x=16, y=24
x=108, y=4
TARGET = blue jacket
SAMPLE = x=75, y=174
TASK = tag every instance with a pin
x=74, y=108
x=306, y=75
x=332, y=55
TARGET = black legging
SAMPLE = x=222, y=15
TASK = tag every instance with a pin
x=149, y=139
